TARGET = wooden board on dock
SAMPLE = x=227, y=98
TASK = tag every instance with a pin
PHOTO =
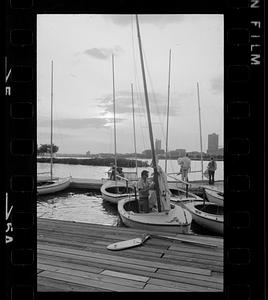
x=72, y=256
x=95, y=184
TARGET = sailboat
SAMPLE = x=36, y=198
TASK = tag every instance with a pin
x=118, y=187
x=214, y=195
x=178, y=195
x=52, y=185
x=208, y=215
x=169, y=217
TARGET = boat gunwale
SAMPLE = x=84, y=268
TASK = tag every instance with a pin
x=58, y=183
x=124, y=201
x=205, y=215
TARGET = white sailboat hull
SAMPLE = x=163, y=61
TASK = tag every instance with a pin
x=210, y=221
x=54, y=186
x=109, y=193
x=214, y=197
x=179, y=196
x=177, y=220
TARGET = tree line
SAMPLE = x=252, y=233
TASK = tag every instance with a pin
x=46, y=148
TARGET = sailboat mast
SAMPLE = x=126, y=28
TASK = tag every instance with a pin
x=149, y=121
x=168, y=110
x=51, y=123
x=134, y=130
x=115, y=156
x=200, y=129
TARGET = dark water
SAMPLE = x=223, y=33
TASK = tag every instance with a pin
x=87, y=207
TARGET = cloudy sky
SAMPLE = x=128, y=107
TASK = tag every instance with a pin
x=81, y=47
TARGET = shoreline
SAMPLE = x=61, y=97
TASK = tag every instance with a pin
x=105, y=162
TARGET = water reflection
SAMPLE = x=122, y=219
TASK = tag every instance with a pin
x=87, y=207
x=79, y=207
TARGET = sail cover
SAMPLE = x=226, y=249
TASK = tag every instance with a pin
x=164, y=190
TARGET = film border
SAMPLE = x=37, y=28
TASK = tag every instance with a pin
x=244, y=112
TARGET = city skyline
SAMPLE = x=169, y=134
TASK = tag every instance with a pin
x=158, y=142
x=83, y=106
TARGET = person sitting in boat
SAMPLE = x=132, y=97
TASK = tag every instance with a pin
x=120, y=172
x=143, y=188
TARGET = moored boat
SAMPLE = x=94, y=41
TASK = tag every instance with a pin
x=180, y=195
x=215, y=196
x=177, y=219
x=119, y=184
x=115, y=190
x=207, y=215
x=168, y=217
x=52, y=186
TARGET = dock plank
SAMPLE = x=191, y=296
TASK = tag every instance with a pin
x=88, y=282
x=93, y=276
x=46, y=284
x=125, y=275
x=72, y=256
x=157, y=288
x=160, y=273
x=71, y=265
x=139, y=262
x=178, y=285
x=98, y=261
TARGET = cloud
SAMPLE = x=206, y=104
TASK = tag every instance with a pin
x=158, y=103
x=103, y=53
x=155, y=19
x=56, y=135
x=217, y=85
x=85, y=123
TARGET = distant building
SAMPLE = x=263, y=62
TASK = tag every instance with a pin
x=213, y=144
x=157, y=146
x=147, y=153
x=219, y=152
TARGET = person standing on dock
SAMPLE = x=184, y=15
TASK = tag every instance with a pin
x=212, y=167
x=143, y=188
x=180, y=164
x=185, y=167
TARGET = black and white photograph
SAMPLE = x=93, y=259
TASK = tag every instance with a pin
x=130, y=152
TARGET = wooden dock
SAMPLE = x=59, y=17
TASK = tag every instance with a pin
x=86, y=183
x=72, y=256
x=95, y=184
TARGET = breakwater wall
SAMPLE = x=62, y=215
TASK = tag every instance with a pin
x=121, y=162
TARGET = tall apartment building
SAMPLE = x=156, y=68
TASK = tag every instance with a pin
x=157, y=145
x=213, y=143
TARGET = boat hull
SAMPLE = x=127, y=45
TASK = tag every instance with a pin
x=214, y=197
x=54, y=186
x=177, y=220
x=109, y=194
x=209, y=221
x=179, y=196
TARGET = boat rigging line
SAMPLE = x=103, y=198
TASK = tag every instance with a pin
x=51, y=124
x=156, y=182
x=168, y=109
x=115, y=156
x=200, y=131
